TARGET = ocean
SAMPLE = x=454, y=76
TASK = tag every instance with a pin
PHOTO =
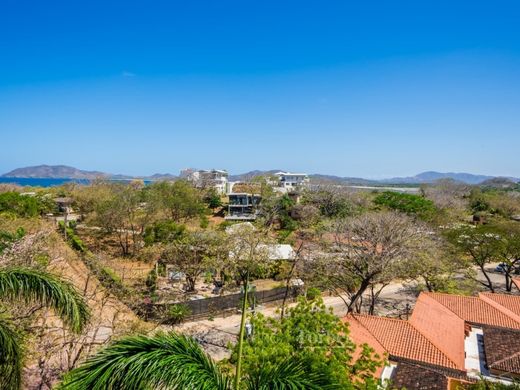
x=40, y=182
x=46, y=182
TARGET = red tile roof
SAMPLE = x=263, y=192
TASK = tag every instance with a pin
x=475, y=310
x=509, y=304
x=441, y=326
x=360, y=335
x=401, y=340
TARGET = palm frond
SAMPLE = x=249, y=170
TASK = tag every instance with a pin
x=36, y=286
x=165, y=361
x=288, y=375
x=10, y=357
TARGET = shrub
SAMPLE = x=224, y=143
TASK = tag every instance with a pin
x=407, y=203
x=178, y=313
x=21, y=205
x=163, y=231
x=313, y=293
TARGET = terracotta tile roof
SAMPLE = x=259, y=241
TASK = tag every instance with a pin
x=475, y=310
x=360, y=335
x=402, y=340
x=441, y=326
x=509, y=304
x=502, y=348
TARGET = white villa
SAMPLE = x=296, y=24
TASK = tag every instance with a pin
x=215, y=178
x=290, y=181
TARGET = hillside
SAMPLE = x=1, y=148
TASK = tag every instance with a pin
x=64, y=171
x=54, y=172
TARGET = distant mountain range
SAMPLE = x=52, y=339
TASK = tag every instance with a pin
x=63, y=171
x=66, y=172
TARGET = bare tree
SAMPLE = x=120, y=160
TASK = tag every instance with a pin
x=366, y=252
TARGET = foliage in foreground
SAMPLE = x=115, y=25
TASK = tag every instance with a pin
x=170, y=360
x=32, y=286
x=309, y=333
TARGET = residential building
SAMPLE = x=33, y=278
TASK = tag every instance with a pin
x=213, y=178
x=289, y=181
x=243, y=206
x=448, y=340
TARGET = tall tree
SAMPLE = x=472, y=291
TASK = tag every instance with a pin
x=481, y=245
x=180, y=200
x=195, y=253
x=366, y=251
x=29, y=286
x=509, y=251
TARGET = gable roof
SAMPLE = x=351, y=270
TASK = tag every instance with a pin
x=445, y=329
x=401, y=339
x=476, y=310
x=502, y=348
x=509, y=304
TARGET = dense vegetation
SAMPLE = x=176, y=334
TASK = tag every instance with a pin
x=156, y=246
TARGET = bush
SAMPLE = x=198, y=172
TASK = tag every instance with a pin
x=407, y=203
x=204, y=222
x=178, y=313
x=21, y=205
x=313, y=293
x=109, y=277
x=163, y=231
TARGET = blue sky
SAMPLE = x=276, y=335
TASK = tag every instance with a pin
x=373, y=89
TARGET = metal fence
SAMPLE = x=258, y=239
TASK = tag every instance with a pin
x=225, y=303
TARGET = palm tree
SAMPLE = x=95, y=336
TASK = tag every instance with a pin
x=30, y=286
x=174, y=361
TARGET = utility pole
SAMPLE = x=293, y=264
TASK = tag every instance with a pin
x=241, y=334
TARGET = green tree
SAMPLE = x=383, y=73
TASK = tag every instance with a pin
x=407, y=203
x=170, y=360
x=481, y=245
x=194, y=254
x=121, y=215
x=212, y=199
x=509, y=250
x=311, y=333
x=20, y=205
x=163, y=231
x=180, y=200
x=29, y=286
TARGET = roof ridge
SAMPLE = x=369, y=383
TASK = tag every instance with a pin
x=433, y=293
x=435, y=345
x=497, y=305
x=454, y=365
x=505, y=359
x=378, y=317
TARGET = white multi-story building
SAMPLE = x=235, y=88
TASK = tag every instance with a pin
x=292, y=181
x=215, y=178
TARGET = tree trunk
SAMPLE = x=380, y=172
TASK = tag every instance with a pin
x=190, y=282
x=489, y=282
x=362, y=288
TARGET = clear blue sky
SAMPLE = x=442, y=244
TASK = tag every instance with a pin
x=353, y=88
